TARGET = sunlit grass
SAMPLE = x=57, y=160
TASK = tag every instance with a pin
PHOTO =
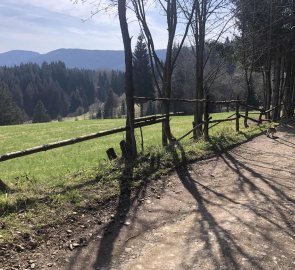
x=58, y=180
x=52, y=167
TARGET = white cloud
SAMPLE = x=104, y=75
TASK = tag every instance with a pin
x=47, y=25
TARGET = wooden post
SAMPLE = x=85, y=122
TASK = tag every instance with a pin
x=123, y=148
x=238, y=115
x=164, y=136
x=279, y=111
x=111, y=154
x=206, y=119
x=142, y=142
x=260, y=116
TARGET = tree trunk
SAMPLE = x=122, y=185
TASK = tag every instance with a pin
x=287, y=89
x=130, y=138
x=268, y=60
x=141, y=109
x=292, y=87
x=200, y=23
x=248, y=79
x=277, y=83
x=168, y=70
x=166, y=131
x=268, y=89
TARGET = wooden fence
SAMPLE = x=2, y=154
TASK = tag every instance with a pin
x=155, y=119
x=207, y=120
x=138, y=123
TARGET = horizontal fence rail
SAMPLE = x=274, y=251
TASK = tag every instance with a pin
x=151, y=120
x=185, y=100
x=139, y=122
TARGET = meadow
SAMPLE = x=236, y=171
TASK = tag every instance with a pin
x=50, y=185
x=54, y=167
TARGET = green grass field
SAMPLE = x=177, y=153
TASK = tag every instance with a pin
x=60, y=179
x=53, y=167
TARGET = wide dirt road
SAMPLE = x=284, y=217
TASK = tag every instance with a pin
x=233, y=211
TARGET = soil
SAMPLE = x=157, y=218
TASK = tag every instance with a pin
x=233, y=211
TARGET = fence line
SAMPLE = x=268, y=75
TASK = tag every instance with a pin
x=80, y=139
x=150, y=120
x=185, y=100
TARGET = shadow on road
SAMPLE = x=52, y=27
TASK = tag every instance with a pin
x=256, y=189
x=110, y=232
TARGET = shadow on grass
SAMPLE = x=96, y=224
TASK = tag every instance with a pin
x=25, y=203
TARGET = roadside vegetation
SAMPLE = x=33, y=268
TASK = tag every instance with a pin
x=59, y=181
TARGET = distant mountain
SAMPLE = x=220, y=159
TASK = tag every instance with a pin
x=73, y=58
x=17, y=57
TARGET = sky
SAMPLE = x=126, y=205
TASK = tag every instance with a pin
x=46, y=25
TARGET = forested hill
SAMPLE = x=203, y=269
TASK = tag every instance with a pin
x=73, y=58
x=59, y=90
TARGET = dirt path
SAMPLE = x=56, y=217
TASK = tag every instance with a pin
x=234, y=211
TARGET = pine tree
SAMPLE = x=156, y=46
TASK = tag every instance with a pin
x=9, y=112
x=110, y=104
x=143, y=81
x=40, y=113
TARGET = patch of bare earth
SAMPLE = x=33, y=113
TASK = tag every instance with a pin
x=233, y=211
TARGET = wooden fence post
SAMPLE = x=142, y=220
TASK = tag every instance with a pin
x=206, y=119
x=123, y=148
x=260, y=116
x=111, y=154
x=238, y=115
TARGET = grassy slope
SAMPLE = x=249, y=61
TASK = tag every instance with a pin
x=48, y=166
x=54, y=175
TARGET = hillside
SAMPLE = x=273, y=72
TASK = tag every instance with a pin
x=73, y=58
x=17, y=57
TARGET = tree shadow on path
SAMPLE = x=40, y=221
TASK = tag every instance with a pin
x=227, y=245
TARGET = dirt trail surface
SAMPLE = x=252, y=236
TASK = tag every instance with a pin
x=233, y=211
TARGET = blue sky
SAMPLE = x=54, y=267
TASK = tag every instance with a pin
x=46, y=25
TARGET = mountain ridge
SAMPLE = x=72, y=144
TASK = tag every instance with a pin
x=73, y=58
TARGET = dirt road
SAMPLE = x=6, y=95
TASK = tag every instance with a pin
x=233, y=211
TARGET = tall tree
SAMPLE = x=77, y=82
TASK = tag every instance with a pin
x=10, y=114
x=110, y=104
x=129, y=88
x=210, y=17
x=143, y=79
x=270, y=24
x=40, y=113
x=162, y=71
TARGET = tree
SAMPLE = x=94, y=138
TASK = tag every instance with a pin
x=142, y=79
x=10, y=114
x=40, y=113
x=208, y=16
x=270, y=27
x=129, y=88
x=121, y=6
x=110, y=104
x=162, y=71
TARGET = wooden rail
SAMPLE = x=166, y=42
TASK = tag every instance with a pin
x=185, y=100
x=63, y=143
x=151, y=120
x=226, y=118
x=250, y=118
x=154, y=117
